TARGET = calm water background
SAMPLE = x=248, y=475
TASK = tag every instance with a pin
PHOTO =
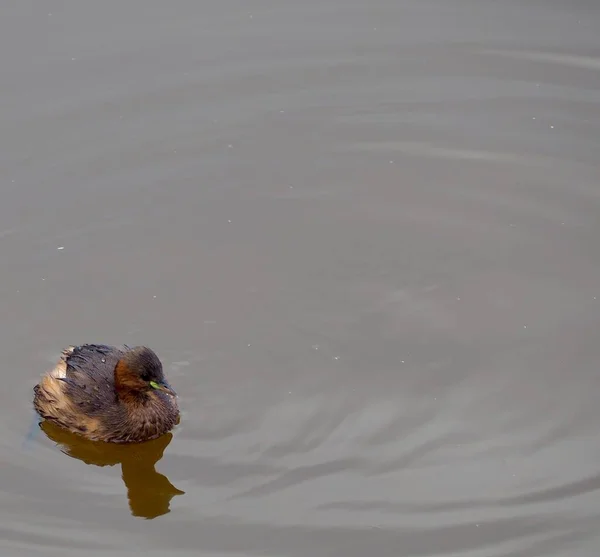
x=362, y=236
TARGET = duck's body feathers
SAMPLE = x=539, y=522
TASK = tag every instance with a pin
x=80, y=395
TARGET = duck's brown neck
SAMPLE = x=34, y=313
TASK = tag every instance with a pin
x=129, y=387
x=133, y=397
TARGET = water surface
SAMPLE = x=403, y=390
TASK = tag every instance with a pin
x=363, y=239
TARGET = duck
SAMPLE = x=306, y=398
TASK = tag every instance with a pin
x=116, y=394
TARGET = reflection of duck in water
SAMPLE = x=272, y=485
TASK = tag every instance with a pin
x=148, y=491
x=106, y=393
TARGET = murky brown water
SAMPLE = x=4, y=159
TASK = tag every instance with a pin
x=363, y=238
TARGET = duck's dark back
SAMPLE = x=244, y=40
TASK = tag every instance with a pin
x=90, y=375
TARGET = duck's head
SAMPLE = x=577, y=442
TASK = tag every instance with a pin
x=139, y=371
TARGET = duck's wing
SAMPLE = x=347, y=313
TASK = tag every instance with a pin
x=80, y=386
x=96, y=360
x=89, y=369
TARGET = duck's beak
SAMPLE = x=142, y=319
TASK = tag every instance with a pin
x=163, y=386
